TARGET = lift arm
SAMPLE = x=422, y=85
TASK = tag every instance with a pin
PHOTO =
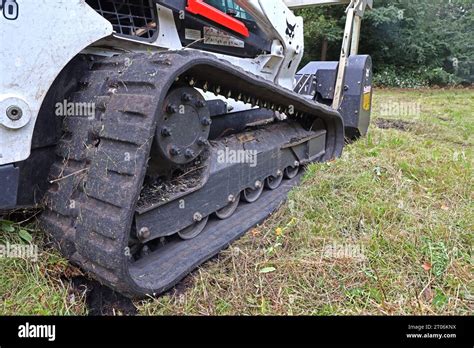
x=350, y=44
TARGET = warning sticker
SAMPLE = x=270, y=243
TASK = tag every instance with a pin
x=367, y=99
x=192, y=34
x=213, y=36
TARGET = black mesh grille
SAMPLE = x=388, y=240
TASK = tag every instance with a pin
x=135, y=18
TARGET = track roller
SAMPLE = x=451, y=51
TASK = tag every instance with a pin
x=194, y=230
x=230, y=209
x=273, y=182
x=291, y=172
x=251, y=195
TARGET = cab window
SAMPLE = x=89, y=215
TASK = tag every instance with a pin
x=229, y=7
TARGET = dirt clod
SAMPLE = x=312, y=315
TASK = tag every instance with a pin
x=400, y=125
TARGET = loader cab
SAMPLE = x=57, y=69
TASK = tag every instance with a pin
x=208, y=34
x=205, y=30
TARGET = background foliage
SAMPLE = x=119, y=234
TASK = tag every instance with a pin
x=413, y=43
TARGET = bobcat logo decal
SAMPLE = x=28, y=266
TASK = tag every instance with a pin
x=290, y=30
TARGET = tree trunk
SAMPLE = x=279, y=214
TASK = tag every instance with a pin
x=324, y=50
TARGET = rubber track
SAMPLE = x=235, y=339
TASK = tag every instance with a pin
x=102, y=161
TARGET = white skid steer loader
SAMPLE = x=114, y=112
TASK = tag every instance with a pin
x=153, y=133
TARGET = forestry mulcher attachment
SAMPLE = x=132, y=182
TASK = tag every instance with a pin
x=156, y=132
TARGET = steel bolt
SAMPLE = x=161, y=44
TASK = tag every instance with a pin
x=144, y=233
x=279, y=174
x=14, y=113
x=171, y=109
x=197, y=217
x=189, y=153
x=202, y=141
x=200, y=104
x=145, y=251
x=165, y=131
x=174, y=151
x=206, y=122
x=186, y=97
x=258, y=184
x=297, y=164
x=231, y=198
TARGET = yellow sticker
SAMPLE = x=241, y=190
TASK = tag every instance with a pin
x=367, y=101
x=367, y=98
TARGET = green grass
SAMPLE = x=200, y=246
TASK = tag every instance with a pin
x=399, y=201
x=35, y=287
